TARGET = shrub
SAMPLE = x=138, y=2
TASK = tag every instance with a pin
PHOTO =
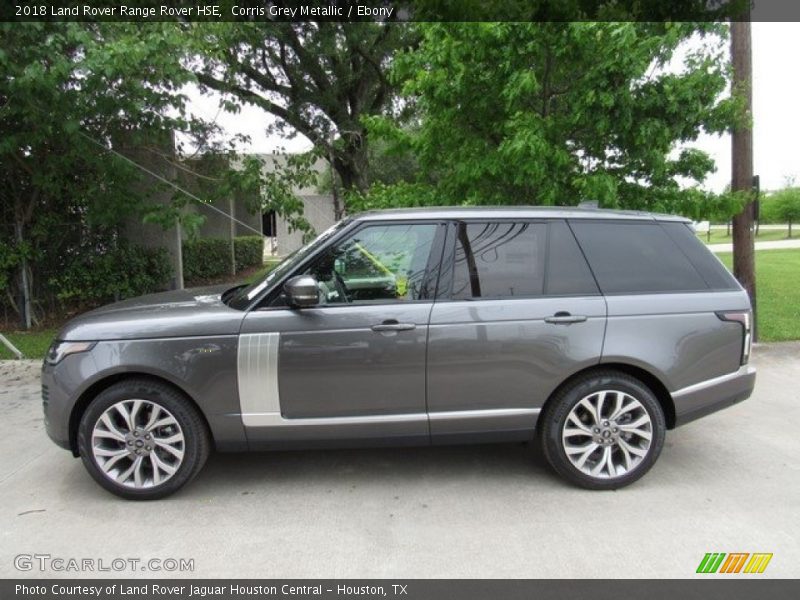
x=206, y=258
x=113, y=273
x=210, y=258
x=249, y=251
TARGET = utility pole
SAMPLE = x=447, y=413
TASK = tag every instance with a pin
x=744, y=268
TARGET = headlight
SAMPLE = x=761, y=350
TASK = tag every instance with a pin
x=61, y=349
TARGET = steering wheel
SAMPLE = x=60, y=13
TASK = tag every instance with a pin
x=341, y=288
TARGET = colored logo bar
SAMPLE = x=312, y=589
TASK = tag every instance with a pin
x=734, y=562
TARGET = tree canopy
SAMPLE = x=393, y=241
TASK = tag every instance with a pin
x=556, y=113
x=319, y=79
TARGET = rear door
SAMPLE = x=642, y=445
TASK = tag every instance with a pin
x=517, y=311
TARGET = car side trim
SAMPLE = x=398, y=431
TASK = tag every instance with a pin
x=275, y=419
x=744, y=370
x=257, y=374
x=278, y=420
x=483, y=414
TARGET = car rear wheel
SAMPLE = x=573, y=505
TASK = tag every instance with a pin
x=603, y=431
x=142, y=440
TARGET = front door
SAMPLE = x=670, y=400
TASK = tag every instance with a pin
x=353, y=366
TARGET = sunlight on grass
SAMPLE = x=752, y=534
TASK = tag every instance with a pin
x=778, y=293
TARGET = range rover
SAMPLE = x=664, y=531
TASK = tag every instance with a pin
x=590, y=331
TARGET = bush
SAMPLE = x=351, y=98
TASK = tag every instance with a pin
x=210, y=258
x=206, y=258
x=115, y=273
x=249, y=251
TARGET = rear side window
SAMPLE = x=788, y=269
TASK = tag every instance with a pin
x=635, y=257
x=499, y=260
x=713, y=272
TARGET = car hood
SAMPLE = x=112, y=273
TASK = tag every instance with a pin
x=179, y=313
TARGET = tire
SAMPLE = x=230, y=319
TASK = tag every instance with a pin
x=165, y=449
x=610, y=453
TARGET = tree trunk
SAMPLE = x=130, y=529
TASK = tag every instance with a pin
x=350, y=163
x=353, y=178
x=232, y=233
x=25, y=290
x=742, y=161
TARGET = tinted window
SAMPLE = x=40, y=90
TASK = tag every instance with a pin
x=712, y=271
x=567, y=271
x=376, y=263
x=633, y=257
x=499, y=260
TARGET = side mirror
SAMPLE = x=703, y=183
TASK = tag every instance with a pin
x=301, y=291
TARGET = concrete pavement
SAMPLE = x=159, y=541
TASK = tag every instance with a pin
x=773, y=245
x=727, y=483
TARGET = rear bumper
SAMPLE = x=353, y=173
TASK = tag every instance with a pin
x=709, y=396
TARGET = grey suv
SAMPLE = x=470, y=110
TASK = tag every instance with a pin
x=591, y=331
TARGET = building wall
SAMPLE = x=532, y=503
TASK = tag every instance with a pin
x=152, y=235
x=318, y=210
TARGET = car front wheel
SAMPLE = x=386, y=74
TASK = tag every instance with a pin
x=603, y=431
x=142, y=440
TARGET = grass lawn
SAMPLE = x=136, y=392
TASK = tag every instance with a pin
x=720, y=236
x=33, y=344
x=778, y=290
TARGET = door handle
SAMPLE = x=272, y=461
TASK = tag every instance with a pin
x=564, y=318
x=392, y=325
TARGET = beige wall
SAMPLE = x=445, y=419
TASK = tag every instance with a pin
x=318, y=210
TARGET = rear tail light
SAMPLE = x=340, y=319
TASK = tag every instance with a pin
x=745, y=318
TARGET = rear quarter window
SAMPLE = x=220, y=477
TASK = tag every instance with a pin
x=629, y=257
x=713, y=272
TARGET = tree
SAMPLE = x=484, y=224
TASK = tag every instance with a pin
x=787, y=206
x=70, y=93
x=554, y=113
x=318, y=78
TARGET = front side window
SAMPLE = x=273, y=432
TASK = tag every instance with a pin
x=377, y=263
x=499, y=260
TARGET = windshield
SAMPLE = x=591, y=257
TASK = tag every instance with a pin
x=242, y=298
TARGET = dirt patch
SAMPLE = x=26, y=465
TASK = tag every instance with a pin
x=19, y=372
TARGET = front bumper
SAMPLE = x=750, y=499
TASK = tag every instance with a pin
x=709, y=396
x=56, y=408
x=62, y=385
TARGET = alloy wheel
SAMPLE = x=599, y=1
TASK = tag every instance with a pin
x=138, y=444
x=607, y=434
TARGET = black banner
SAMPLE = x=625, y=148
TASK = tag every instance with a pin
x=396, y=10
x=415, y=589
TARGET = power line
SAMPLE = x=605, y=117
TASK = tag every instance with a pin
x=170, y=183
